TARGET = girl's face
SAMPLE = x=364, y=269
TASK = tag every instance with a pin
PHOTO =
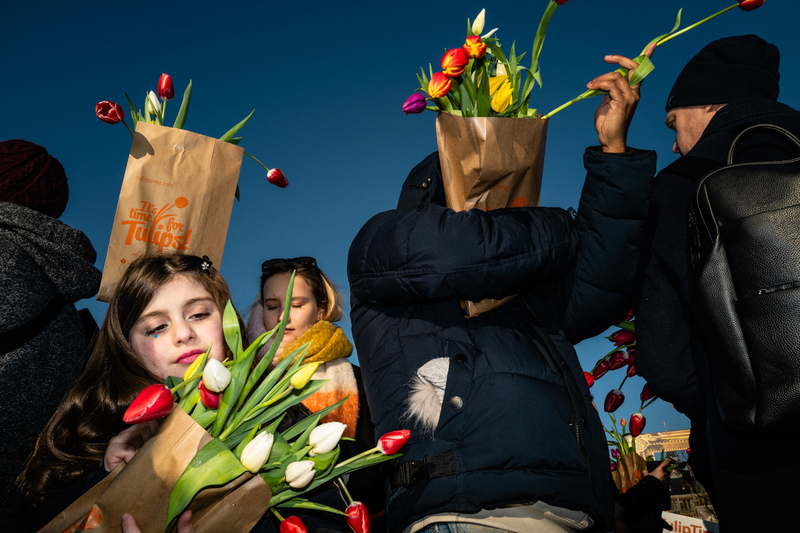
x=176, y=327
x=304, y=312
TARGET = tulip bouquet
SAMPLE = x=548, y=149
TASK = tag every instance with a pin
x=461, y=87
x=241, y=406
x=155, y=104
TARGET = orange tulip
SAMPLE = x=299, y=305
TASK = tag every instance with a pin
x=474, y=47
x=454, y=63
x=439, y=85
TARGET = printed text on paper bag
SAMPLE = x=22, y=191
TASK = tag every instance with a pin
x=149, y=223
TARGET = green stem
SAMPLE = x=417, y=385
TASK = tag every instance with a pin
x=276, y=513
x=623, y=381
x=267, y=403
x=670, y=37
x=257, y=161
x=587, y=94
x=356, y=457
x=606, y=356
x=344, y=488
x=129, y=128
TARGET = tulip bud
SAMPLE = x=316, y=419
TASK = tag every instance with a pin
x=613, y=469
x=276, y=177
x=215, y=376
x=257, y=451
x=109, y=112
x=646, y=394
x=414, y=104
x=621, y=337
x=561, y=2
x=165, y=89
x=631, y=357
x=589, y=378
x=637, y=424
x=293, y=524
x=601, y=370
x=613, y=400
x=749, y=5
x=152, y=103
x=358, y=517
x=615, y=453
x=210, y=399
x=480, y=20
x=618, y=360
x=152, y=403
x=192, y=369
x=629, y=315
x=502, y=98
x=301, y=378
x=474, y=48
x=631, y=371
x=454, y=62
x=439, y=85
x=393, y=441
x=325, y=437
x=299, y=474
x=622, y=422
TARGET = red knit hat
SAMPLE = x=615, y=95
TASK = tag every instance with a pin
x=30, y=177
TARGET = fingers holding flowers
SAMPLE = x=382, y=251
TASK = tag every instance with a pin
x=125, y=445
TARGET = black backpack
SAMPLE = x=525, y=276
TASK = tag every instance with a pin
x=745, y=252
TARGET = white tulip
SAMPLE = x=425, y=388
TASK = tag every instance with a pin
x=215, y=376
x=299, y=474
x=153, y=105
x=489, y=34
x=480, y=20
x=325, y=437
x=256, y=453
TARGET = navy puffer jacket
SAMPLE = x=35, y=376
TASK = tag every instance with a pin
x=516, y=423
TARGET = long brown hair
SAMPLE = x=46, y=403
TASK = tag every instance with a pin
x=75, y=439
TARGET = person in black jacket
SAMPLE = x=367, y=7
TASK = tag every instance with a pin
x=729, y=85
x=503, y=432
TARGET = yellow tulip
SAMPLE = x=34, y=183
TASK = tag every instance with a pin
x=501, y=98
x=301, y=378
x=193, y=368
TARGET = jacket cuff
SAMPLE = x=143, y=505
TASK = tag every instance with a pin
x=618, y=185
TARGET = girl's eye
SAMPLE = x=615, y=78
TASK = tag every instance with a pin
x=200, y=316
x=157, y=329
x=272, y=307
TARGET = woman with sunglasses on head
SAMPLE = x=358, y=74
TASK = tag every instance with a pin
x=316, y=305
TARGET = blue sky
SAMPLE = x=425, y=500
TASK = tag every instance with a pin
x=327, y=81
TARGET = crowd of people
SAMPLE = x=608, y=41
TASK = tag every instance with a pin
x=505, y=436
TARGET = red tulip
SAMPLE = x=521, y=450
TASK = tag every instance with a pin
x=358, y=517
x=613, y=400
x=474, y=48
x=748, y=5
x=637, y=424
x=589, y=378
x=393, y=441
x=165, y=89
x=414, y=104
x=561, y=2
x=646, y=393
x=631, y=358
x=276, y=177
x=601, y=370
x=152, y=403
x=293, y=525
x=439, y=85
x=631, y=371
x=109, y=112
x=621, y=337
x=629, y=315
x=454, y=62
x=618, y=360
x=209, y=399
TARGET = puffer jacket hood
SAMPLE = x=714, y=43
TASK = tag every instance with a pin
x=423, y=186
x=42, y=258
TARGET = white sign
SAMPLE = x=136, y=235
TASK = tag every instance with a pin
x=687, y=524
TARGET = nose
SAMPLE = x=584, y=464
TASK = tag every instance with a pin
x=182, y=332
x=675, y=149
x=280, y=318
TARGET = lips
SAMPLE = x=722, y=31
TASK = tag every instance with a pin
x=188, y=357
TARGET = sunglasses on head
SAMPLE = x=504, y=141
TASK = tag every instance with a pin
x=302, y=260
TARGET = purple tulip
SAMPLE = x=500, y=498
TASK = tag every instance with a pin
x=613, y=400
x=414, y=104
x=615, y=453
x=613, y=466
x=601, y=370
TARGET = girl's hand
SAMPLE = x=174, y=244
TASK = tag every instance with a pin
x=125, y=445
x=128, y=524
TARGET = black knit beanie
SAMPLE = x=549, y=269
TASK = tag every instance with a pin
x=31, y=177
x=728, y=69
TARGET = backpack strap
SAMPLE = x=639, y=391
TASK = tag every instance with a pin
x=762, y=127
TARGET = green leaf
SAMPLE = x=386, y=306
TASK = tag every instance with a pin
x=146, y=112
x=180, y=120
x=484, y=101
x=246, y=441
x=324, y=462
x=645, y=67
x=674, y=28
x=213, y=465
x=234, y=130
x=206, y=419
x=235, y=140
x=171, y=381
x=301, y=426
x=299, y=503
x=303, y=439
x=134, y=115
x=232, y=330
x=466, y=104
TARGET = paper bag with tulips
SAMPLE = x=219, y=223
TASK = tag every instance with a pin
x=223, y=451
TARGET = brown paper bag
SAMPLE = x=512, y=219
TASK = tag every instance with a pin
x=489, y=163
x=142, y=489
x=177, y=194
x=630, y=470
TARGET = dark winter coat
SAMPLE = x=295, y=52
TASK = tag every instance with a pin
x=517, y=421
x=670, y=354
x=45, y=267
